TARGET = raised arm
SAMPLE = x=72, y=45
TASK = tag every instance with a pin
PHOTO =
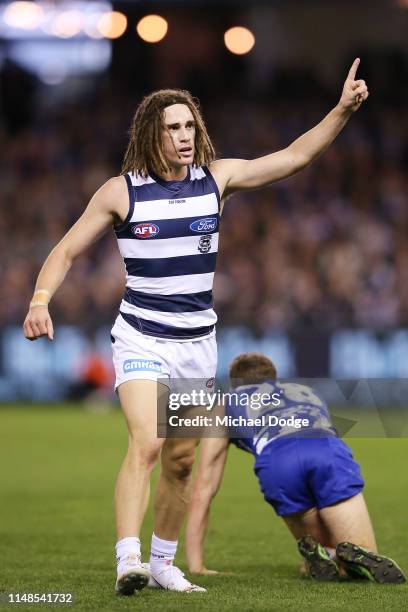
x=109, y=204
x=239, y=174
x=208, y=479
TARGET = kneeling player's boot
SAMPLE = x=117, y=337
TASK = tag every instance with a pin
x=152, y=584
x=167, y=576
x=320, y=565
x=361, y=562
x=132, y=577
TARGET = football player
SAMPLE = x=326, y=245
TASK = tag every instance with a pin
x=305, y=471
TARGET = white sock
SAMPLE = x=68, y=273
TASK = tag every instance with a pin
x=162, y=552
x=124, y=548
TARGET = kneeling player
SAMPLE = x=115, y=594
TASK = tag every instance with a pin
x=310, y=478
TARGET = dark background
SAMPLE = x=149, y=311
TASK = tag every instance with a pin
x=313, y=270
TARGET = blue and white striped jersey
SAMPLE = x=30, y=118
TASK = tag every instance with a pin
x=169, y=243
x=277, y=405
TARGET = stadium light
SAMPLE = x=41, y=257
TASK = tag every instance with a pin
x=239, y=40
x=112, y=25
x=91, y=25
x=152, y=28
x=67, y=24
x=55, y=40
x=23, y=15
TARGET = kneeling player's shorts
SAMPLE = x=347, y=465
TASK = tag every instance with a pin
x=297, y=473
x=137, y=356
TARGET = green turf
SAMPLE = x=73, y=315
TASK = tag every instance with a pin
x=58, y=467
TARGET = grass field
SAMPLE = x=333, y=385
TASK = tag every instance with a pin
x=58, y=466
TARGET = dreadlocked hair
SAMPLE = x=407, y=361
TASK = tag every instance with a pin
x=145, y=150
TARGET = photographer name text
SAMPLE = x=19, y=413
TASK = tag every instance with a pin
x=229, y=421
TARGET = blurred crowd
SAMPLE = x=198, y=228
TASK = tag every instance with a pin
x=321, y=250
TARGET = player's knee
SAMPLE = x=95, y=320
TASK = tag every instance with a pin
x=145, y=455
x=180, y=466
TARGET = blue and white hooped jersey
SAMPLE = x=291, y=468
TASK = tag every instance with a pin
x=169, y=243
x=280, y=408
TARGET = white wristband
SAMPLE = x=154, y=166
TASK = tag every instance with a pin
x=38, y=304
x=42, y=291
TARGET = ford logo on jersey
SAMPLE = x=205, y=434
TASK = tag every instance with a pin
x=204, y=225
x=145, y=230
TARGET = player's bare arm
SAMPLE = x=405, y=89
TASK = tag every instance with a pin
x=108, y=206
x=208, y=479
x=238, y=174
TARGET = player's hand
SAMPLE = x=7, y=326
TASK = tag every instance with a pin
x=203, y=571
x=207, y=572
x=355, y=92
x=38, y=323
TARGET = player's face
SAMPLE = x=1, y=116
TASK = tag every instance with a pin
x=179, y=135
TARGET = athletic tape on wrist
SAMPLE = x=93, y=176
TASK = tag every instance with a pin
x=42, y=291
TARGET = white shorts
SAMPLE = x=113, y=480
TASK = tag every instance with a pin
x=140, y=357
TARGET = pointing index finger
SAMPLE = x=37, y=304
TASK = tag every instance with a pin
x=353, y=69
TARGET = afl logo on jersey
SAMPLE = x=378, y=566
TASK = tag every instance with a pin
x=145, y=230
x=204, y=225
